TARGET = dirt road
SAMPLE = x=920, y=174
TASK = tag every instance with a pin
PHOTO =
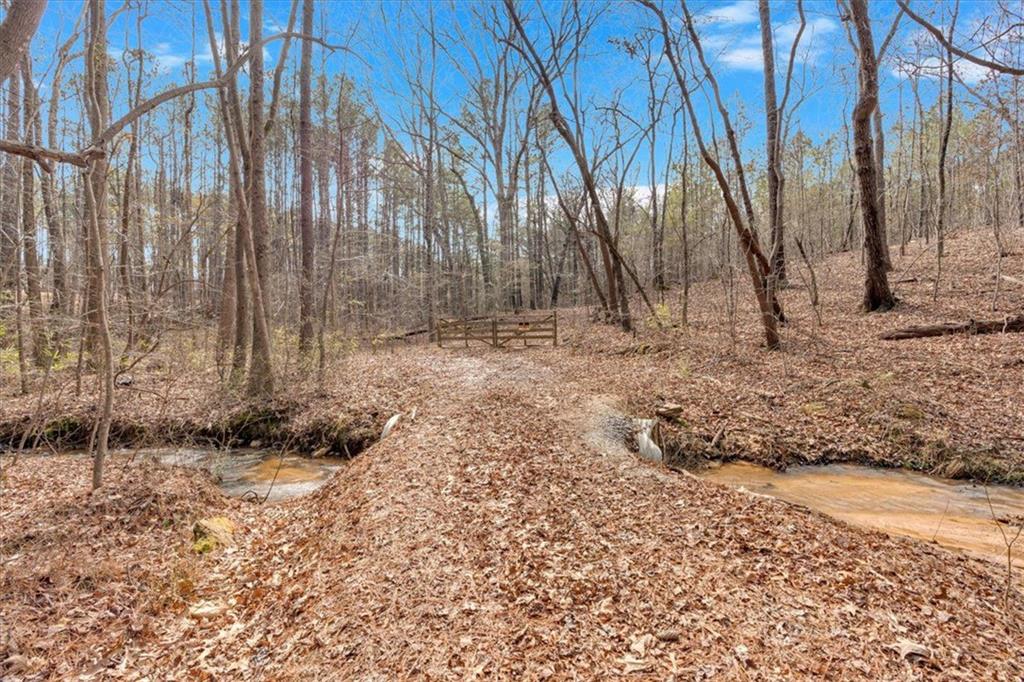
x=490, y=537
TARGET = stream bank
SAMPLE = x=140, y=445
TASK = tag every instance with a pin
x=280, y=424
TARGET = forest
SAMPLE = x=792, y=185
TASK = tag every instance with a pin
x=511, y=339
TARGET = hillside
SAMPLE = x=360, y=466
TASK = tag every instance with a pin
x=502, y=532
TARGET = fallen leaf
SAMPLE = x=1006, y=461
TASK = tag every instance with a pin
x=633, y=665
x=910, y=650
x=207, y=609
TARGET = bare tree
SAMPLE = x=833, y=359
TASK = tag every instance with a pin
x=947, y=42
x=757, y=264
x=40, y=350
x=576, y=32
x=306, y=183
x=261, y=375
x=877, y=294
x=97, y=105
x=774, y=113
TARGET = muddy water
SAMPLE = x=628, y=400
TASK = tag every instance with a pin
x=259, y=471
x=951, y=513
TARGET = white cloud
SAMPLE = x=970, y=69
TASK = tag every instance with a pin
x=744, y=52
x=934, y=68
x=746, y=58
x=642, y=193
x=741, y=12
x=168, y=62
x=817, y=26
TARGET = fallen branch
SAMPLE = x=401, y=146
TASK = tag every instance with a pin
x=1008, y=324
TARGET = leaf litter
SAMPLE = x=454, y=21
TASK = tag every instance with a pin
x=488, y=538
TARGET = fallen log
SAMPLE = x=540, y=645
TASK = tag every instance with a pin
x=1007, y=324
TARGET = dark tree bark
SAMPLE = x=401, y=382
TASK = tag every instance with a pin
x=877, y=294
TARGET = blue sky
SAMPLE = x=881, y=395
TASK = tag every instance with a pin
x=377, y=31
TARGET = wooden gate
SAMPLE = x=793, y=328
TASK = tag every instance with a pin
x=501, y=331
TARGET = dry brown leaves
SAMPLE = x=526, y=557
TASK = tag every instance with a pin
x=486, y=538
x=952, y=405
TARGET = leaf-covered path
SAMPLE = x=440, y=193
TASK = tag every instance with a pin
x=488, y=537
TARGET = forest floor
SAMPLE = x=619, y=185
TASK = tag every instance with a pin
x=504, y=531
x=836, y=393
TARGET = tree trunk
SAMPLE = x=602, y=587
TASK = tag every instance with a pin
x=97, y=105
x=261, y=377
x=589, y=183
x=756, y=262
x=772, y=139
x=947, y=125
x=1007, y=325
x=877, y=294
x=16, y=33
x=306, y=184
x=9, y=258
x=37, y=321
x=127, y=204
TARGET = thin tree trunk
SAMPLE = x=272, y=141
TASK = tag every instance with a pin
x=37, y=320
x=772, y=139
x=306, y=184
x=589, y=183
x=947, y=125
x=9, y=257
x=97, y=105
x=261, y=377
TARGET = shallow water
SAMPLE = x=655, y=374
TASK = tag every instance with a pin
x=259, y=471
x=953, y=514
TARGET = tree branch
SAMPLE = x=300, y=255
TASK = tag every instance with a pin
x=97, y=146
x=948, y=44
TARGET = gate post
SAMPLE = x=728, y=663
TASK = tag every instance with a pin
x=554, y=330
x=494, y=332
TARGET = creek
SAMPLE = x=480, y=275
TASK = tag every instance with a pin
x=260, y=471
x=955, y=514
